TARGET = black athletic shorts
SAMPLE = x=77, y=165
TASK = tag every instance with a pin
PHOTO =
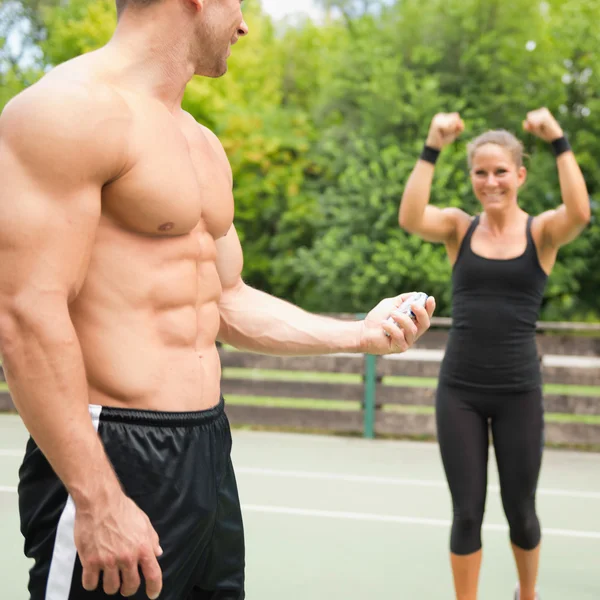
x=177, y=468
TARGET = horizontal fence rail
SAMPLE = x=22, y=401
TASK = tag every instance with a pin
x=569, y=356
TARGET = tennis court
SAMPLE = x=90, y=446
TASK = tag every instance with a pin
x=334, y=517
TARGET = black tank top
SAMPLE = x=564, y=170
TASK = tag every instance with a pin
x=495, y=308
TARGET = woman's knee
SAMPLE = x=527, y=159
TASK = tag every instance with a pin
x=525, y=530
x=466, y=531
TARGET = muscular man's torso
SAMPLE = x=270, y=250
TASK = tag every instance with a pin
x=146, y=315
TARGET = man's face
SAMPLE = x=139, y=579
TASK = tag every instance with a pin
x=220, y=26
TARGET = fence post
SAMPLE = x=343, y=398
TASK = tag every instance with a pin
x=370, y=393
x=370, y=383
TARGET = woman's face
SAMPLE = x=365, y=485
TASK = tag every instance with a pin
x=495, y=177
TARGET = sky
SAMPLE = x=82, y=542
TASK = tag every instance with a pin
x=283, y=8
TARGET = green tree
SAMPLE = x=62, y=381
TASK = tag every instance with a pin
x=76, y=27
x=21, y=30
x=492, y=61
x=323, y=122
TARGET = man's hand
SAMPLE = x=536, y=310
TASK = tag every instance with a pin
x=542, y=124
x=117, y=539
x=402, y=335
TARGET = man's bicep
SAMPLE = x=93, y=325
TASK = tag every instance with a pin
x=47, y=224
x=230, y=260
x=52, y=174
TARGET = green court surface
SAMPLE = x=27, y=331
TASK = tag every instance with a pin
x=341, y=518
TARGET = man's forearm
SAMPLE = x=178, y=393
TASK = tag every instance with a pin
x=255, y=321
x=46, y=376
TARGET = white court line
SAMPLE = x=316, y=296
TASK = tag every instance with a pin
x=351, y=516
x=7, y=489
x=396, y=481
x=375, y=480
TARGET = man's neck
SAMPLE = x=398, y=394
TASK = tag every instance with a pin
x=150, y=60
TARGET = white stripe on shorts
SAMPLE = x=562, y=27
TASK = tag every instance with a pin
x=65, y=553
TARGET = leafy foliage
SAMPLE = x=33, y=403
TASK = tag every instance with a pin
x=323, y=122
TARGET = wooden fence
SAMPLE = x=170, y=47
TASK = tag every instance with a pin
x=570, y=355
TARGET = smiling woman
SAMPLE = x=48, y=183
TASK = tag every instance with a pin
x=501, y=259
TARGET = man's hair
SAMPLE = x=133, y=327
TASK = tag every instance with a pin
x=123, y=4
x=501, y=138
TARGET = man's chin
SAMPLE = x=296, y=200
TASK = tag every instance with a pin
x=214, y=73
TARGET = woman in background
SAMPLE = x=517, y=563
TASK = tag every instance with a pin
x=490, y=373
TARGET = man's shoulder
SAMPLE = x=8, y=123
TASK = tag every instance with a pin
x=207, y=133
x=75, y=105
x=65, y=123
x=210, y=136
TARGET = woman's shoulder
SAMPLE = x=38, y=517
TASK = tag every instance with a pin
x=460, y=217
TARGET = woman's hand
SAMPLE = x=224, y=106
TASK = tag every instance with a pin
x=542, y=124
x=444, y=129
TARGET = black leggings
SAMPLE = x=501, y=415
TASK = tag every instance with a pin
x=517, y=423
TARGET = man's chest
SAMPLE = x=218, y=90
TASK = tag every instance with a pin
x=173, y=182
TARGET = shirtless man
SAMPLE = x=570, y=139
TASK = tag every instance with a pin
x=120, y=268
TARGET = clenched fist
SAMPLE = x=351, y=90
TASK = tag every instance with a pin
x=542, y=124
x=444, y=129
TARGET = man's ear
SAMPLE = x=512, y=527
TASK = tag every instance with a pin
x=197, y=5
